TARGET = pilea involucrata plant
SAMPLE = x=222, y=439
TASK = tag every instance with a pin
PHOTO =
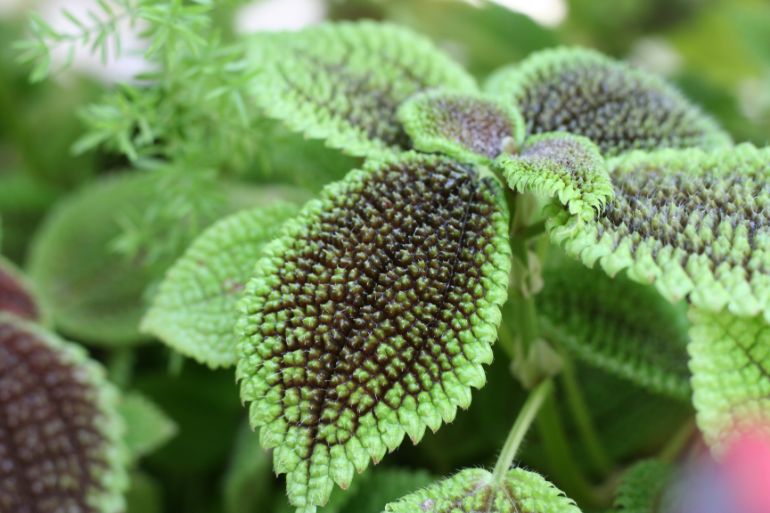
x=575, y=208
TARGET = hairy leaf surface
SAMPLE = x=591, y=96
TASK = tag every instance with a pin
x=60, y=434
x=344, y=82
x=730, y=364
x=195, y=309
x=468, y=127
x=616, y=106
x=567, y=167
x=617, y=325
x=694, y=223
x=473, y=490
x=642, y=486
x=147, y=426
x=16, y=296
x=371, y=316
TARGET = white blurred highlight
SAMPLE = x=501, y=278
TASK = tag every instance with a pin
x=273, y=15
x=547, y=12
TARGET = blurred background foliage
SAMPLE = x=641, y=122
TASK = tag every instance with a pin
x=716, y=51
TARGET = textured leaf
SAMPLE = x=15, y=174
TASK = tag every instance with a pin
x=344, y=82
x=473, y=490
x=248, y=482
x=468, y=127
x=694, y=223
x=195, y=308
x=147, y=427
x=730, y=364
x=16, y=296
x=642, y=487
x=567, y=167
x=60, y=434
x=620, y=326
x=371, y=316
x=618, y=107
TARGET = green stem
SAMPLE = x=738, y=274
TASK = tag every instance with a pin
x=563, y=463
x=120, y=366
x=678, y=442
x=519, y=429
x=585, y=425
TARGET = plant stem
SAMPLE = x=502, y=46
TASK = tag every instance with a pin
x=678, y=442
x=120, y=366
x=519, y=429
x=582, y=417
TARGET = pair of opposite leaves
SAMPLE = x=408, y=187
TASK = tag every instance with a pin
x=370, y=313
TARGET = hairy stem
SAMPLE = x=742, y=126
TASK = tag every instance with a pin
x=519, y=429
x=585, y=425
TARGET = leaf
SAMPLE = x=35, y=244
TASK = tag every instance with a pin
x=616, y=106
x=383, y=486
x=473, y=490
x=16, y=296
x=94, y=294
x=371, y=315
x=567, y=167
x=248, y=481
x=620, y=326
x=194, y=310
x=730, y=364
x=343, y=82
x=60, y=441
x=144, y=494
x=642, y=486
x=468, y=127
x=695, y=224
x=147, y=426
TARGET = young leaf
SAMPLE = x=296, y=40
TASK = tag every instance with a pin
x=620, y=326
x=473, y=490
x=694, y=223
x=468, y=127
x=147, y=427
x=195, y=309
x=561, y=165
x=344, y=82
x=618, y=107
x=730, y=364
x=16, y=297
x=371, y=316
x=642, y=487
x=60, y=434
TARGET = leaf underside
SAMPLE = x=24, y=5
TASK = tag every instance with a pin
x=730, y=364
x=59, y=431
x=642, y=487
x=565, y=166
x=344, y=82
x=147, y=427
x=468, y=127
x=473, y=490
x=618, y=325
x=195, y=309
x=618, y=107
x=15, y=295
x=694, y=223
x=371, y=317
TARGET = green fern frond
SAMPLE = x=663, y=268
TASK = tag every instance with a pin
x=695, y=224
x=76, y=460
x=474, y=490
x=642, y=487
x=371, y=315
x=469, y=127
x=194, y=310
x=563, y=166
x=344, y=82
x=730, y=364
x=616, y=106
x=620, y=326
